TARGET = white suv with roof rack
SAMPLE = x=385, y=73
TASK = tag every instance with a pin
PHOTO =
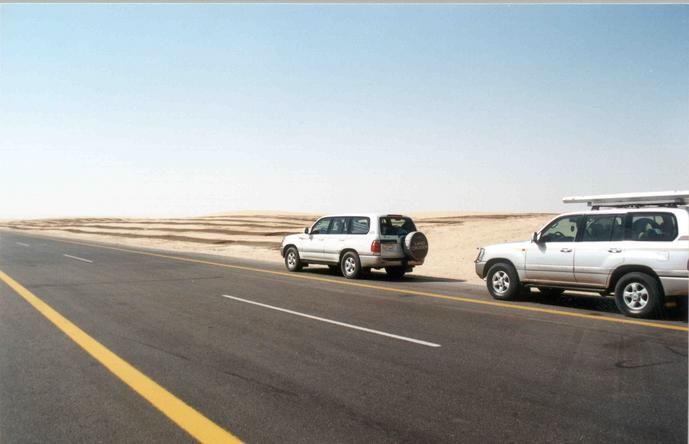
x=355, y=243
x=636, y=249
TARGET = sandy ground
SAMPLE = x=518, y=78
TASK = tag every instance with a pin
x=453, y=237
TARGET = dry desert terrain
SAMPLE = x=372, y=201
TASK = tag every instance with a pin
x=453, y=237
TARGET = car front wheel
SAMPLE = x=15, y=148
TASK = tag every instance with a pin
x=292, y=261
x=502, y=282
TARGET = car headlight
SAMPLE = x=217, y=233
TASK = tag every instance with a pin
x=481, y=252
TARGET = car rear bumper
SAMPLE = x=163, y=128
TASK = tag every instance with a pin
x=379, y=262
x=675, y=286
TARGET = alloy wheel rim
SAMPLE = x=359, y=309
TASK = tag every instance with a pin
x=291, y=259
x=501, y=282
x=350, y=265
x=635, y=296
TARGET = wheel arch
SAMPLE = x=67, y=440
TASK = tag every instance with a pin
x=620, y=271
x=284, y=249
x=344, y=251
x=497, y=260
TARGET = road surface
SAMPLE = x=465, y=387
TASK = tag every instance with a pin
x=107, y=344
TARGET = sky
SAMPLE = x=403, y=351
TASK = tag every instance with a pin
x=184, y=110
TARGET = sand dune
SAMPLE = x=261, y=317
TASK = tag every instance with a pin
x=453, y=237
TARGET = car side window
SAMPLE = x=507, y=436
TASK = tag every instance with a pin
x=321, y=227
x=359, y=225
x=563, y=229
x=618, y=229
x=652, y=227
x=338, y=225
x=602, y=228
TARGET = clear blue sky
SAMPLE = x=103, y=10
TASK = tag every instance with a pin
x=167, y=109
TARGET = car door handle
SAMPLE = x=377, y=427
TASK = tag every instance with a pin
x=614, y=250
x=566, y=250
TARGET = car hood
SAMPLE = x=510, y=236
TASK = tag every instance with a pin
x=290, y=237
x=519, y=244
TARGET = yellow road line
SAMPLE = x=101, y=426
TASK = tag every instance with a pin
x=193, y=422
x=391, y=289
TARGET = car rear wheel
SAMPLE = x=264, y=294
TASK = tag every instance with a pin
x=292, y=261
x=350, y=265
x=502, y=281
x=638, y=295
x=395, y=272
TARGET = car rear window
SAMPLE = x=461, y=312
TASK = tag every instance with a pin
x=652, y=227
x=359, y=225
x=396, y=226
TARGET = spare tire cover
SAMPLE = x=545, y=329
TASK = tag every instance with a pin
x=416, y=245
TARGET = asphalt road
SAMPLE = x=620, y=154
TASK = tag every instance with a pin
x=276, y=357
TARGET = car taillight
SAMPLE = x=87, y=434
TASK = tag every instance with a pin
x=375, y=247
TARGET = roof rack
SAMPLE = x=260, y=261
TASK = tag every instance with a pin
x=632, y=200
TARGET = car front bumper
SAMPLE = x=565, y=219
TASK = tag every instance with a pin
x=480, y=268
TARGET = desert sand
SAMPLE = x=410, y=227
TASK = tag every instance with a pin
x=453, y=237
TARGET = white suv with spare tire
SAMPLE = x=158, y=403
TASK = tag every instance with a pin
x=353, y=244
x=638, y=250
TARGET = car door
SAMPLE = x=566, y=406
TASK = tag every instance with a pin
x=312, y=247
x=335, y=239
x=598, y=248
x=551, y=258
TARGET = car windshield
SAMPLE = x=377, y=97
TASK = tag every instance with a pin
x=396, y=226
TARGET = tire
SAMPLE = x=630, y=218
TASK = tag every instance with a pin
x=551, y=293
x=639, y=295
x=292, y=260
x=415, y=245
x=503, y=282
x=350, y=265
x=334, y=269
x=395, y=272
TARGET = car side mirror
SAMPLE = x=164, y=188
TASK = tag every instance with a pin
x=306, y=230
x=534, y=238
